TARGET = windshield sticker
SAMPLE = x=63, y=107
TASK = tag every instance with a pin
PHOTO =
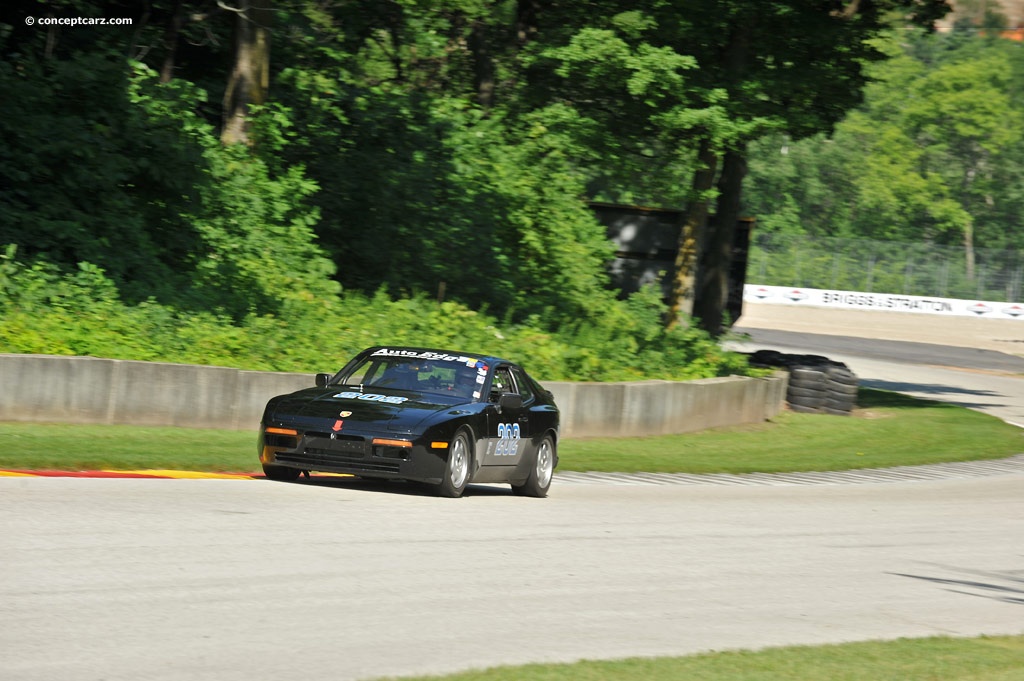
x=436, y=356
x=372, y=397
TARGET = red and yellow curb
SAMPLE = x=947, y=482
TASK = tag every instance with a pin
x=147, y=473
x=193, y=475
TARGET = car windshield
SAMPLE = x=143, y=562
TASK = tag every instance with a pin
x=420, y=372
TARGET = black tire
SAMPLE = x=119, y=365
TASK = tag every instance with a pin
x=281, y=473
x=542, y=469
x=812, y=360
x=457, y=467
x=813, y=393
x=806, y=376
x=835, y=412
x=804, y=410
x=809, y=385
x=807, y=402
x=842, y=389
x=842, y=377
x=840, y=404
x=767, y=357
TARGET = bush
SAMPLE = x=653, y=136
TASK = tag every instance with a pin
x=45, y=311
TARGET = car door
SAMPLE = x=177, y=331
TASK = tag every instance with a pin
x=508, y=426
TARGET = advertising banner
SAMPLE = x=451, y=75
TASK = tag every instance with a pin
x=854, y=300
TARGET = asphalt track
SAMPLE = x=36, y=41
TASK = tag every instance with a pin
x=226, y=579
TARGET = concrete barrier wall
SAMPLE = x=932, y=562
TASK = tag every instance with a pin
x=49, y=389
x=666, y=407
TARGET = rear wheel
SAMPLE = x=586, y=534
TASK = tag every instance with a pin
x=541, y=472
x=456, y=471
x=282, y=473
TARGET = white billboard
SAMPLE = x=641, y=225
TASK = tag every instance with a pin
x=892, y=302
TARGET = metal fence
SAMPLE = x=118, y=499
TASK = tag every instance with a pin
x=916, y=269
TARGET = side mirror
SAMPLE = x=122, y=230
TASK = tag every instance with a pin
x=510, y=401
x=322, y=379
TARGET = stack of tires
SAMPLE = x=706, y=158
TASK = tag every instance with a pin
x=817, y=385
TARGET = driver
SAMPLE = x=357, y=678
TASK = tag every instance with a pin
x=465, y=381
x=401, y=376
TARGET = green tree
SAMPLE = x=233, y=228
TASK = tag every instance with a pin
x=961, y=119
x=432, y=178
x=784, y=67
x=932, y=155
x=108, y=166
x=760, y=67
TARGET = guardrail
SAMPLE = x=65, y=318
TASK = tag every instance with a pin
x=55, y=389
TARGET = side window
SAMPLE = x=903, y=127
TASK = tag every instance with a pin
x=502, y=381
x=524, y=385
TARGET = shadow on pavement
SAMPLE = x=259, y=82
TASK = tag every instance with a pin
x=397, y=487
x=990, y=587
x=927, y=388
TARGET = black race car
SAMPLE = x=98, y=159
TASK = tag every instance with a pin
x=434, y=416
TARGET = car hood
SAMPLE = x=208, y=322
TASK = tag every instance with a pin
x=399, y=411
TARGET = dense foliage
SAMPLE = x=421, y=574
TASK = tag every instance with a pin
x=393, y=170
x=934, y=155
x=48, y=312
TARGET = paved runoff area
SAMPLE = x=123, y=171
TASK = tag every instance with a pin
x=999, y=335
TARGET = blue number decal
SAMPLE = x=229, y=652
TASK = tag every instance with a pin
x=508, y=439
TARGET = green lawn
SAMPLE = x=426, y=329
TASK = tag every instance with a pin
x=62, y=446
x=930, y=659
x=887, y=430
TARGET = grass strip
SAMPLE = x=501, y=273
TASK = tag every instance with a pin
x=81, y=447
x=888, y=429
x=929, y=659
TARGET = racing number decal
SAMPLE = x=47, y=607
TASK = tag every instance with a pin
x=508, y=439
x=372, y=397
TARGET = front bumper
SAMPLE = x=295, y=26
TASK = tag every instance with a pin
x=354, y=454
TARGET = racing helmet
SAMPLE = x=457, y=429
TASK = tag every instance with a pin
x=465, y=380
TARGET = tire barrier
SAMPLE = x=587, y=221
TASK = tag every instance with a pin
x=817, y=385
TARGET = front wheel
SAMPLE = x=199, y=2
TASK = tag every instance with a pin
x=456, y=471
x=543, y=469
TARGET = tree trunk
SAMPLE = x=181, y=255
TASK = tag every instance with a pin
x=526, y=20
x=250, y=75
x=170, y=42
x=969, y=248
x=702, y=263
x=715, y=265
x=483, y=64
x=691, y=235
